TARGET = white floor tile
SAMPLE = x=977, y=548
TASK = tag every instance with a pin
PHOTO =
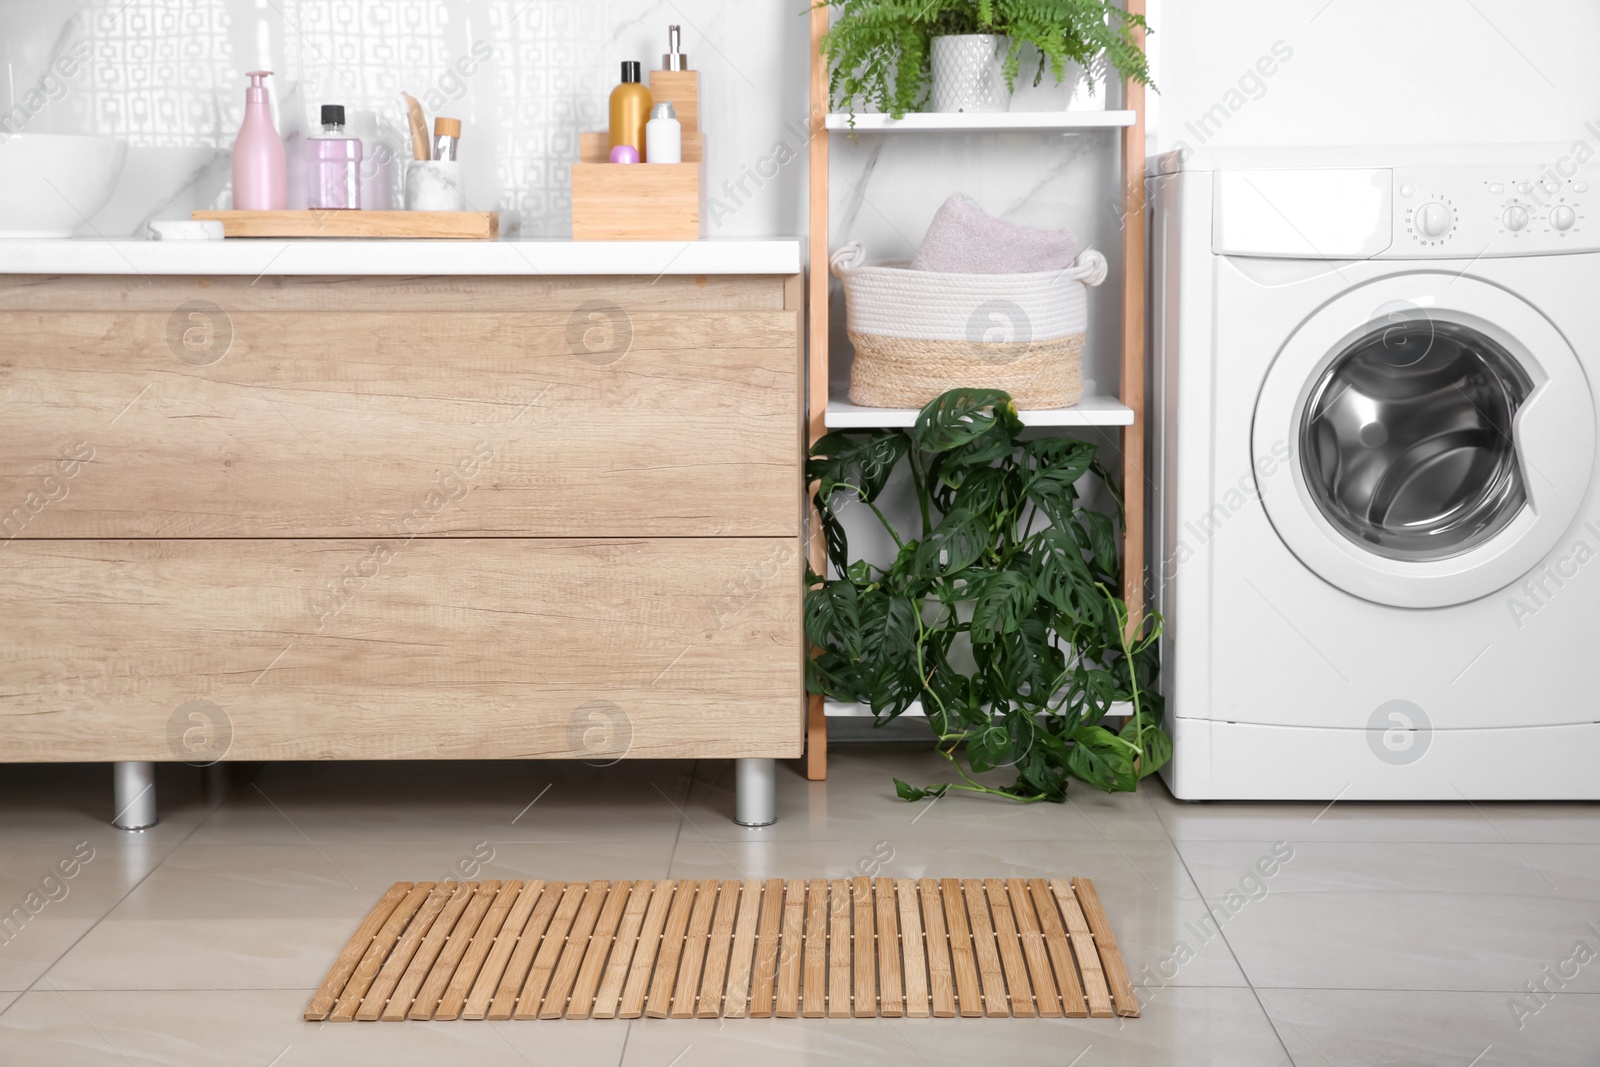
x=1380, y=1028
x=255, y=1028
x=46, y=912
x=275, y=916
x=1185, y=1028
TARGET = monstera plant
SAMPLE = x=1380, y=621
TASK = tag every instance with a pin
x=999, y=617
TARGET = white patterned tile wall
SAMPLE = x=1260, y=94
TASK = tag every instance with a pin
x=525, y=77
x=151, y=73
x=549, y=95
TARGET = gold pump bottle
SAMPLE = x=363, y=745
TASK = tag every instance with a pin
x=630, y=109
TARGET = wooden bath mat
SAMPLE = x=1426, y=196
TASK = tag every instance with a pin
x=701, y=949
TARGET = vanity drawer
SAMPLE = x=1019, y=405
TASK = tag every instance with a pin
x=286, y=422
x=392, y=649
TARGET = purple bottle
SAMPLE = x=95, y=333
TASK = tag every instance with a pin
x=333, y=164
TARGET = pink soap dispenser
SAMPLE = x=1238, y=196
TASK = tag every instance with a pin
x=260, y=182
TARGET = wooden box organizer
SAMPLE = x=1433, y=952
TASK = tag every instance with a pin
x=643, y=202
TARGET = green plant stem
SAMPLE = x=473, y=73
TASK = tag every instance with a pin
x=922, y=665
x=918, y=482
x=972, y=784
x=1121, y=615
x=898, y=544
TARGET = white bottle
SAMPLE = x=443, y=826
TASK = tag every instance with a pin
x=663, y=135
x=381, y=165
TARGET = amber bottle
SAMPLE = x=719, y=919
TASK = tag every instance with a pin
x=630, y=109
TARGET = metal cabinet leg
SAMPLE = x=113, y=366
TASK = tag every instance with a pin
x=214, y=783
x=134, y=793
x=756, y=792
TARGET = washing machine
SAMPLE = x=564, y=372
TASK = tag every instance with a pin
x=1374, y=513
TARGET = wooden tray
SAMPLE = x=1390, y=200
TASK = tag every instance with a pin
x=450, y=225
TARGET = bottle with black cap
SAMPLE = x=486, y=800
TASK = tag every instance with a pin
x=333, y=164
x=630, y=110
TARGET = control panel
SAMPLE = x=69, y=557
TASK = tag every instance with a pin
x=1467, y=212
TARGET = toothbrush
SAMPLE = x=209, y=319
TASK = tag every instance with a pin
x=419, y=128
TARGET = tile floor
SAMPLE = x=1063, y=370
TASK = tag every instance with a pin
x=1385, y=934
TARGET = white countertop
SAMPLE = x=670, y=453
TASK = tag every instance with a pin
x=257, y=256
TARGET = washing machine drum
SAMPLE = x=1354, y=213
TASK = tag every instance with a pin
x=1407, y=439
x=1443, y=435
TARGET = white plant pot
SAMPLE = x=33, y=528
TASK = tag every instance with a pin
x=1086, y=96
x=966, y=73
x=1072, y=93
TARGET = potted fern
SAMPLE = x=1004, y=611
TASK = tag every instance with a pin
x=965, y=55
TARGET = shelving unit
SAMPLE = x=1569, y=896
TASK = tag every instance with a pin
x=1127, y=411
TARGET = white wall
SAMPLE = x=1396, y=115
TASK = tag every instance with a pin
x=1375, y=71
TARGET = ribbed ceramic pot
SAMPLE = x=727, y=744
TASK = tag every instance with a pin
x=966, y=73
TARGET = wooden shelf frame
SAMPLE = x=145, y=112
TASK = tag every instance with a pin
x=1132, y=386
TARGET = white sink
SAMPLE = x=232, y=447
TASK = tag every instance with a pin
x=52, y=183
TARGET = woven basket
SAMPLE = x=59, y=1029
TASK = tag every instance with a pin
x=920, y=333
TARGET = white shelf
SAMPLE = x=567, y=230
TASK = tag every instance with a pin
x=838, y=709
x=1090, y=411
x=976, y=121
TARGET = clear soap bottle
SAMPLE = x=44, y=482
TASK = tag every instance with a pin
x=333, y=164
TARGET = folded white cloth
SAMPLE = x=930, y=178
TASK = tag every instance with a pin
x=964, y=239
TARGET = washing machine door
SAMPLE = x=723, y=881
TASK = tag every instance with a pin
x=1442, y=435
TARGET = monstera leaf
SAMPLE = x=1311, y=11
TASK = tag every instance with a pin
x=1102, y=759
x=962, y=416
x=1058, y=464
x=1144, y=733
x=1003, y=600
x=857, y=463
x=833, y=617
x=955, y=544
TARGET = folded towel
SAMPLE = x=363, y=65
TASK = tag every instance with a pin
x=964, y=239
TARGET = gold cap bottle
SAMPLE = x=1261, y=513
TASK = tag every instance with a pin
x=630, y=109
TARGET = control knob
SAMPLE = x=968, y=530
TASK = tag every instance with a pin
x=1515, y=218
x=1562, y=217
x=1432, y=220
